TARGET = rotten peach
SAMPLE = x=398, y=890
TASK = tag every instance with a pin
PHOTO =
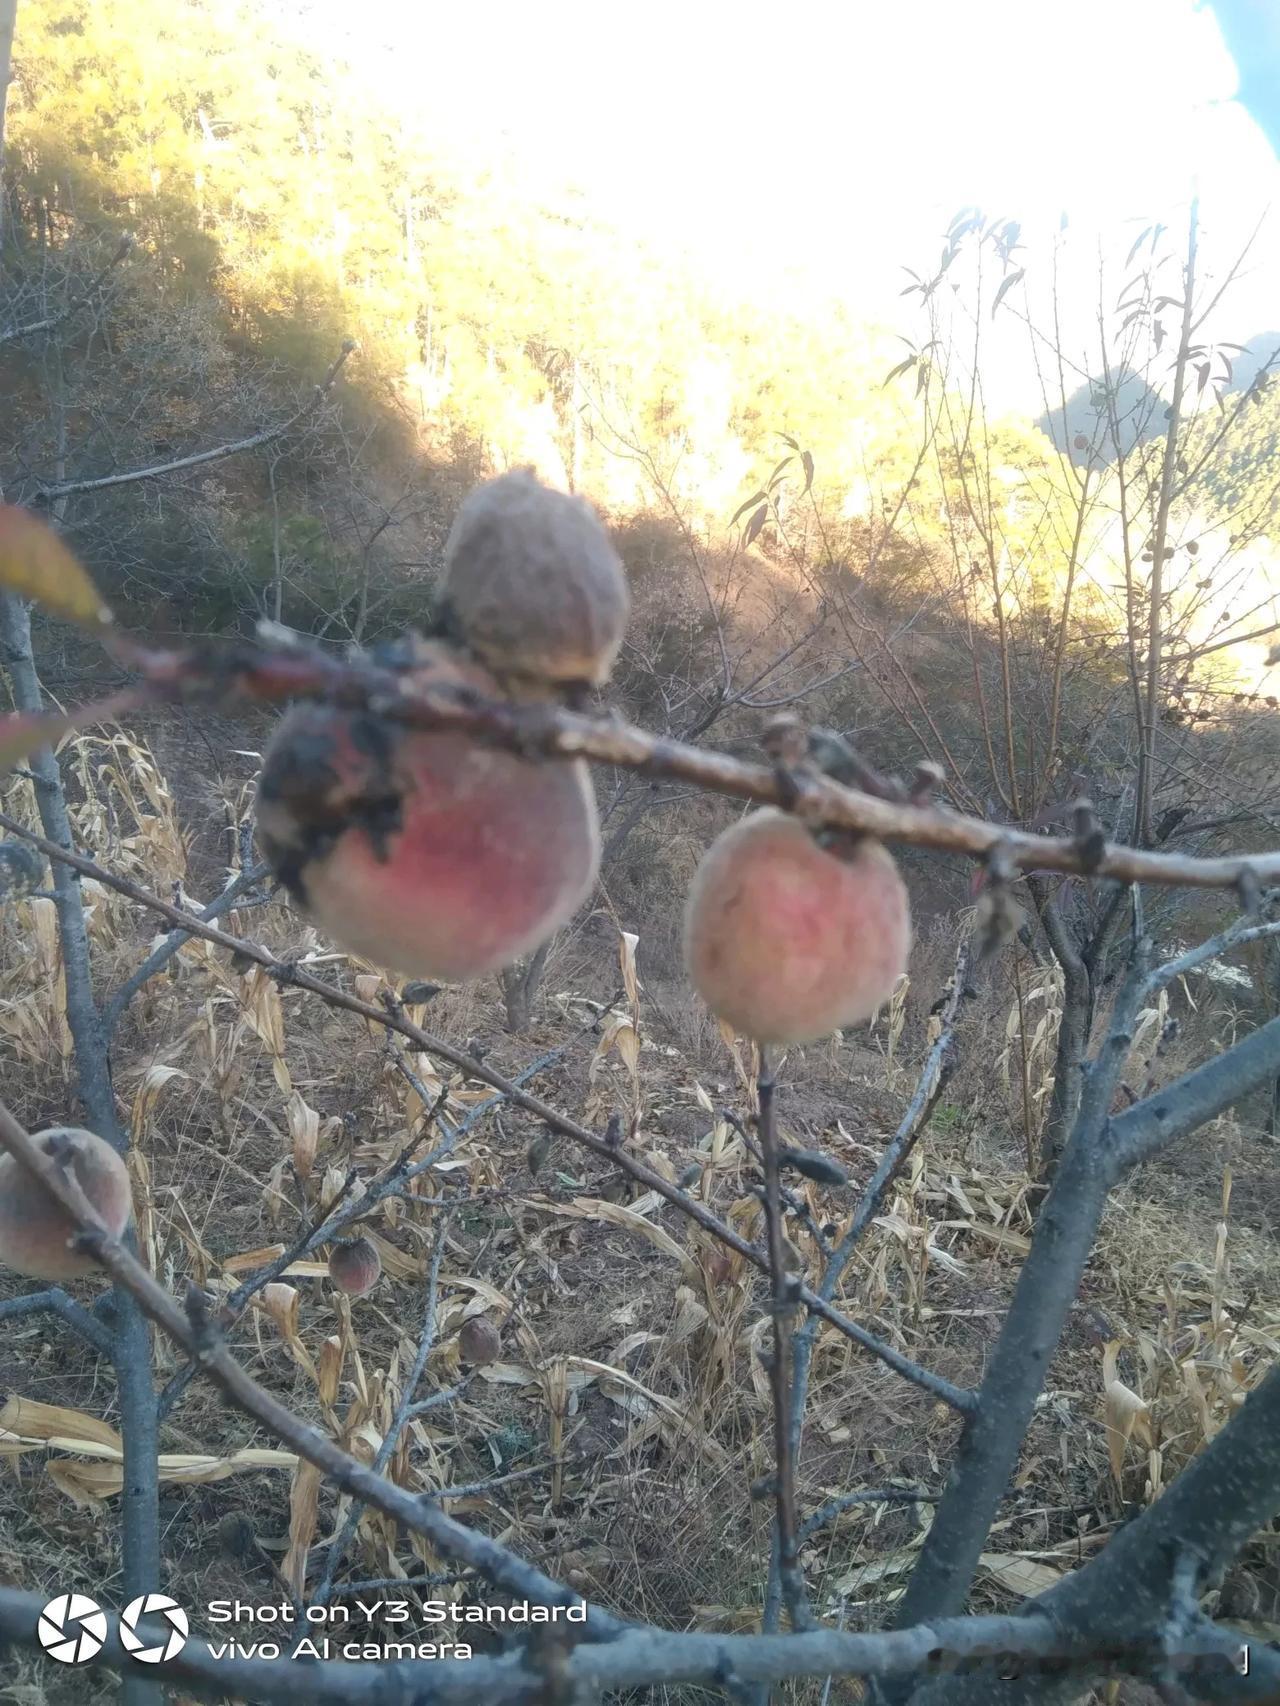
x=355, y=1266
x=788, y=939
x=423, y=850
x=533, y=583
x=37, y=1236
x=479, y=1342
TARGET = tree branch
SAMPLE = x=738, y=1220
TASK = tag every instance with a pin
x=55, y=1301
x=68, y=488
x=224, y=672
x=613, y=1155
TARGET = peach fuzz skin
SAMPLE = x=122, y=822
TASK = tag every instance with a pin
x=423, y=851
x=355, y=1267
x=787, y=941
x=35, y=1234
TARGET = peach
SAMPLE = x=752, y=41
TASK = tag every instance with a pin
x=423, y=850
x=355, y=1266
x=35, y=1233
x=788, y=940
x=479, y=1341
x=533, y=583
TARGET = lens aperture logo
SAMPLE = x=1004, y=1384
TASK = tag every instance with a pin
x=169, y=1625
x=72, y=1628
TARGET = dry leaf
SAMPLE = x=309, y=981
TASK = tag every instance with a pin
x=1023, y=1576
x=1126, y=1413
x=618, y=1214
x=304, y=1505
x=24, y=1424
x=304, y=1133
x=36, y=564
x=91, y=1483
x=147, y=1095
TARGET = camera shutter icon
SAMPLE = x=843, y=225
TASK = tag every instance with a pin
x=170, y=1628
x=72, y=1628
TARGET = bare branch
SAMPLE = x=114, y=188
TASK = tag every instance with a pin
x=55, y=1301
x=557, y=733
x=784, y=1289
x=615, y=1156
x=68, y=488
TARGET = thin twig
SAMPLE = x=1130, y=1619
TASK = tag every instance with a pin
x=613, y=1155
x=55, y=1301
x=784, y=1287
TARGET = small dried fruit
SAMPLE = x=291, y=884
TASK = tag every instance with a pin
x=534, y=584
x=355, y=1266
x=479, y=1341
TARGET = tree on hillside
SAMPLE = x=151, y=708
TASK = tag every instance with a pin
x=1018, y=629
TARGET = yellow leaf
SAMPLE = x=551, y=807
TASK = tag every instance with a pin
x=1125, y=1411
x=31, y=1421
x=36, y=564
x=304, y=1502
x=1023, y=1576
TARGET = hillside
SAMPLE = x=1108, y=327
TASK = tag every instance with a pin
x=898, y=1321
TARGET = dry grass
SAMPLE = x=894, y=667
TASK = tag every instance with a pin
x=629, y=1340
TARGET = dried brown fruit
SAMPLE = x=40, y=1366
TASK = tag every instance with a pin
x=534, y=584
x=355, y=1266
x=479, y=1341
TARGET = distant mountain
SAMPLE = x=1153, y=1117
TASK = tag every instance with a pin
x=1139, y=410
x=1263, y=348
x=1141, y=416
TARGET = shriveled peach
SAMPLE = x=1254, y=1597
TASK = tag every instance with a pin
x=355, y=1266
x=787, y=940
x=479, y=1341
x=425, y=851
x=534, y=584
x=35, y=1233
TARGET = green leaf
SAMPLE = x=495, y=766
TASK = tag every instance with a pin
x=756, y=523
x=755, y=498
x=36, y=564
x=807, y=459
x=1006, y=286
